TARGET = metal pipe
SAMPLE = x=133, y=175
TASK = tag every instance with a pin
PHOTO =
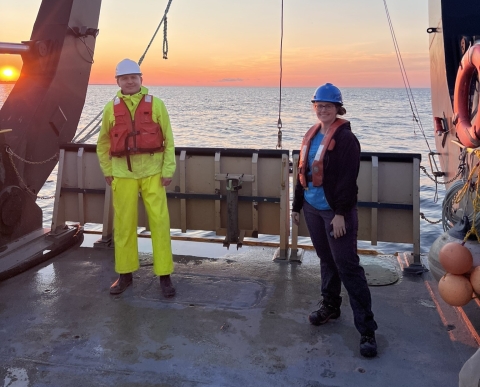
x=185, y=238
x=232, y=210
x=13, y=48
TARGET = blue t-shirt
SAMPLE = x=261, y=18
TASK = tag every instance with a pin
x=315, y=196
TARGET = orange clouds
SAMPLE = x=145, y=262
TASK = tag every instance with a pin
x=354, y=70
x=215, y=42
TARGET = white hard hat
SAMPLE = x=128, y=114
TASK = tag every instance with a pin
x=127, y=66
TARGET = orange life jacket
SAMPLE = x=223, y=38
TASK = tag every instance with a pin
x=140, y=135
x=327, y=144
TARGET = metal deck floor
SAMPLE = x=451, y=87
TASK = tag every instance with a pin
x=238, y=320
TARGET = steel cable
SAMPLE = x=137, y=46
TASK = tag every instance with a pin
x=279, y=122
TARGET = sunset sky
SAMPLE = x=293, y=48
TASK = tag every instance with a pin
x=237, y=43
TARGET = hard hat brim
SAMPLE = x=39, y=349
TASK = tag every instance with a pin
x=325, y=100
x=121, y=75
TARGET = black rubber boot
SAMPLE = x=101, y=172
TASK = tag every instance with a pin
x=167, y=287
x=324, y=314
x=121, y=284
x=368, y=345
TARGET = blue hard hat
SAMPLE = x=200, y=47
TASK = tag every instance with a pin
x=328, y=93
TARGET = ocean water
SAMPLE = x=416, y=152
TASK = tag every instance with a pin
x=247, y=118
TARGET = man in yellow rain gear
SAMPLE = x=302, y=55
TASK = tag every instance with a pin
x=137, y=154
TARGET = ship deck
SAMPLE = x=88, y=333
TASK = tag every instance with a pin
x=238, y=319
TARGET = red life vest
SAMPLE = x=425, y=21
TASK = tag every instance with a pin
x=141, y=135
x=327, y=144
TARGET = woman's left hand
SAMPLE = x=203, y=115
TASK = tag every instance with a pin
x=296, y=218
x=338, y=224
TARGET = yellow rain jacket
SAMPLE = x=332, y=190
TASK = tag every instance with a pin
x=143, y=165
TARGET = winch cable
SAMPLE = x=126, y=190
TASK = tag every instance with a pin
x=98, y=120
x=413, y=105
x=165, y=43
x=279, y=122
x=408, y=89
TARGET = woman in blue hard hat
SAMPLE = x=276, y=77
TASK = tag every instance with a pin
x=327, y=190
x=137, y=154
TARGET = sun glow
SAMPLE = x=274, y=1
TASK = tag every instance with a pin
x=8, y=74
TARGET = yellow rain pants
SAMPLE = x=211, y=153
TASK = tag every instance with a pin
x=125, y=204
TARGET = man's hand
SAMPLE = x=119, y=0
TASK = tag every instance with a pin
x=296, y=218
x=109, y=179
x=166, y=181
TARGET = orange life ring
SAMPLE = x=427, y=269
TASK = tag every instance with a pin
x=468, y=133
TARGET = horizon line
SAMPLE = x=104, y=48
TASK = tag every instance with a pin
x=272, y=87
x=243, y=86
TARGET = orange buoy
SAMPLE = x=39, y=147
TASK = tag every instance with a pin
x=475, y=279
x=455, y=258
x=455, y=290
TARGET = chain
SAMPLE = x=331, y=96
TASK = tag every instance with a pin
x=422, y=215
x=11, y=153
x=434, y=179
x=45, y=197
x=461, y=169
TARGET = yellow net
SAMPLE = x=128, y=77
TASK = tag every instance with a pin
x=471, y=181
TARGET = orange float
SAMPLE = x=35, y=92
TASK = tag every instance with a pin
x=468, y=133
x=455, y=290
x=475, y=279
x=455, y=258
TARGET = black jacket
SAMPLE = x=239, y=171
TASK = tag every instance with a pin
x=340, y=172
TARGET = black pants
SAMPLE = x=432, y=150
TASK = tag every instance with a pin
x=339, y=263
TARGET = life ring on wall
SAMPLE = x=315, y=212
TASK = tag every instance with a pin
x=468, y=133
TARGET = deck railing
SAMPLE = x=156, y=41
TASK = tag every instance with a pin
x=242, y=193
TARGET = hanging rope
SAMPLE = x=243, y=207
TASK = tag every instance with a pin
x=164, y=19
x=471, y=187
x=98, y=120
x=468, y=184
x=476, y=211
x=476, y=205
x=279, y=122
x=408, y=89
x=165, y=41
